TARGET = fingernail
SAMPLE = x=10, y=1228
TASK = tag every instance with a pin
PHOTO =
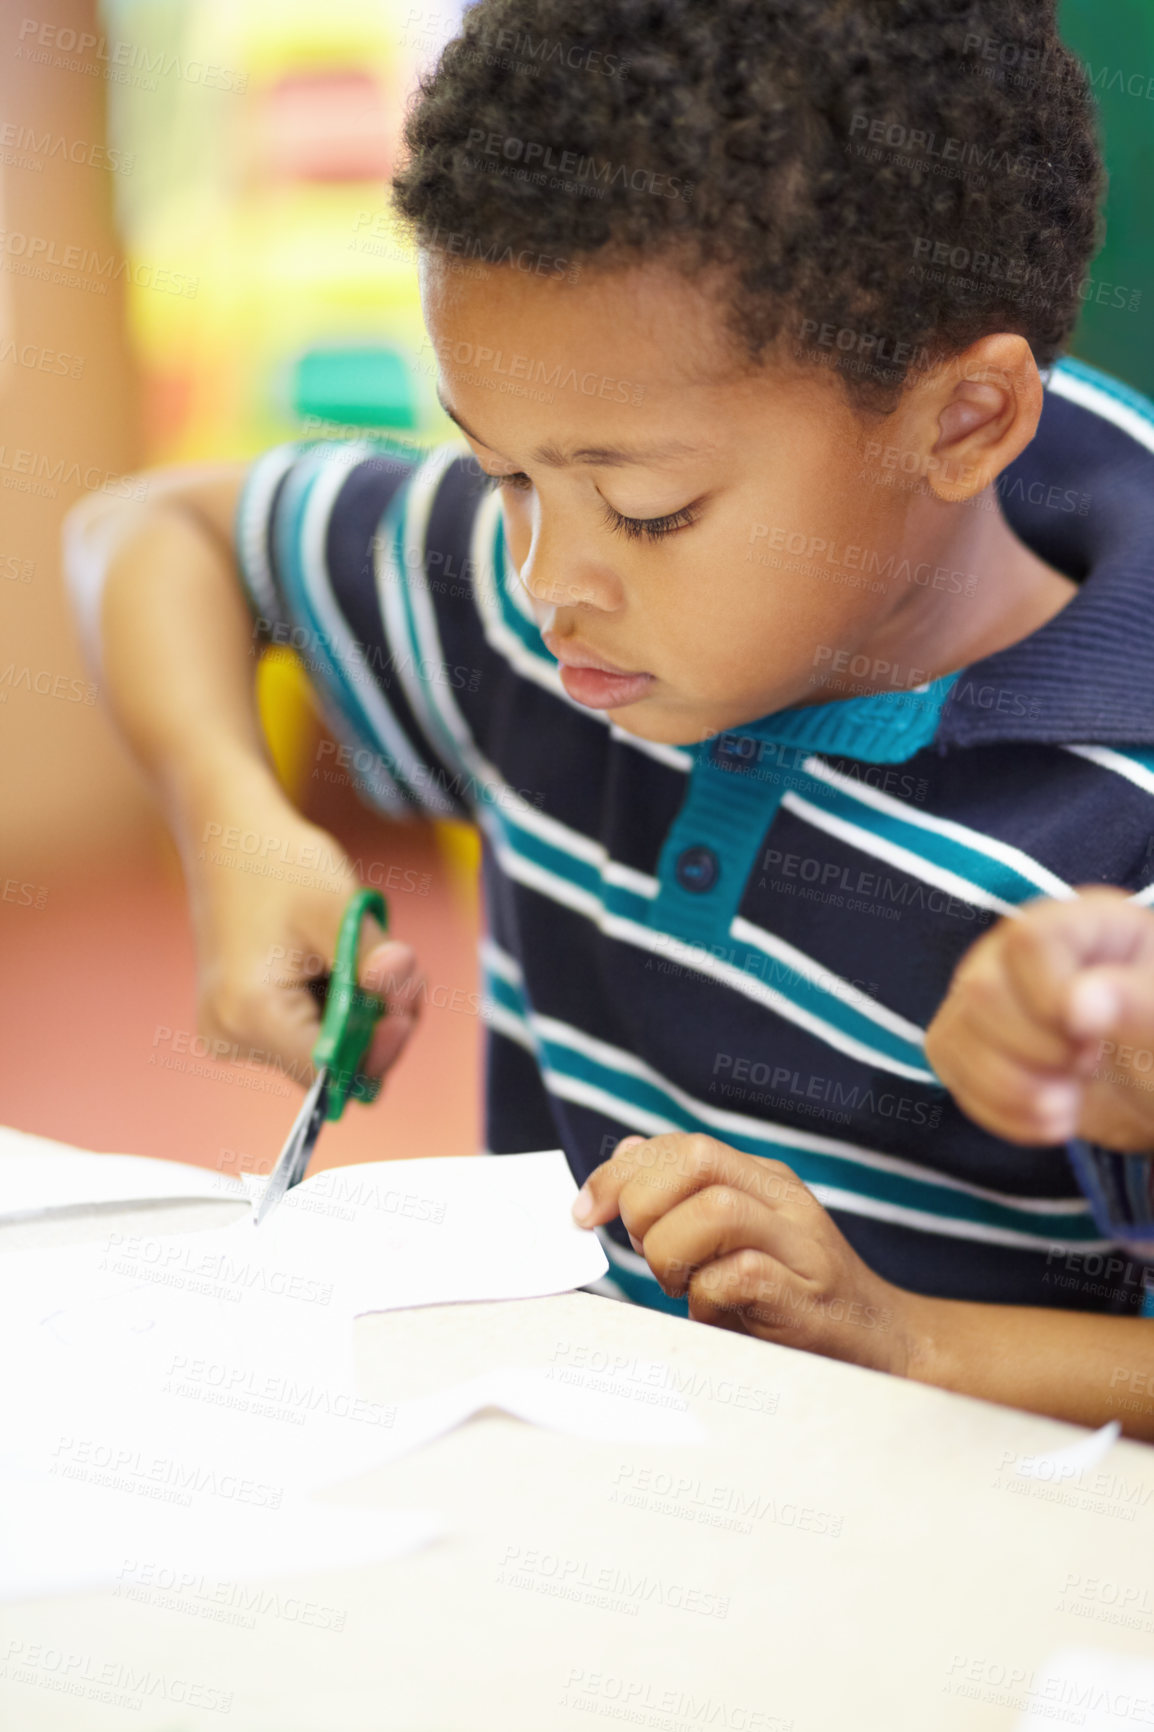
x=627, y=1143
x=582, y=1206
x=636, y=1244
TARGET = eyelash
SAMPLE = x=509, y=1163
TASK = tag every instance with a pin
x=635, y=528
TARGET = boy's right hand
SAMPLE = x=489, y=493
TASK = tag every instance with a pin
x=268, y=891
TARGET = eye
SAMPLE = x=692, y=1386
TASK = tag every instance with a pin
x=652, y=528
x=636, y=528
x=517, y=481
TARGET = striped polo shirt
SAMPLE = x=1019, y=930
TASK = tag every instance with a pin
x=748, y=937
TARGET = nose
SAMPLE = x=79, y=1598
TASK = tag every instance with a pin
x=558, y=573
x=553, y=587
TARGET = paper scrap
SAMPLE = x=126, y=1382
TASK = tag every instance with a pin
x=62, y=1538
x=39, y=1176
x=1099, y=1691
x=1076, y=1458
x=584, y=1405
x=634, y=1408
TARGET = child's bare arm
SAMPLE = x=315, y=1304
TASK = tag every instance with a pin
x=753, y=1250
x=1074, y=1365
x=177, y=643
x=178, y=653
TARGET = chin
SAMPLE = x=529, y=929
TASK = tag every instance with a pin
x=690, y=725
x=646, y=722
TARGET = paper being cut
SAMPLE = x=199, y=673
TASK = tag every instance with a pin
x=198, y=1374
x=239, y=1340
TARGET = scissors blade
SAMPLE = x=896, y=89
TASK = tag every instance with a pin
x=294, y=1157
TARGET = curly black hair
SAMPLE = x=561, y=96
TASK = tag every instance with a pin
x=885, y=181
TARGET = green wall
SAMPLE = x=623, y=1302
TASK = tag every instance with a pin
x=1115, y=41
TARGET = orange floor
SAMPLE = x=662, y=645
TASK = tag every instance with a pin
x=98, y=995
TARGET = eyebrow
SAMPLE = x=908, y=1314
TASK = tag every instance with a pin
x=607, y=456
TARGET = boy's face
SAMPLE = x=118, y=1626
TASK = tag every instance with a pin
x=620, y=398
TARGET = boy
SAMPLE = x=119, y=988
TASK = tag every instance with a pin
x=790, y=655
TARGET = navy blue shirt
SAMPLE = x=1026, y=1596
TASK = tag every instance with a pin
x=748, y=937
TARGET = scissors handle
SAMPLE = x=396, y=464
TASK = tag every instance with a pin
x=350, y=1013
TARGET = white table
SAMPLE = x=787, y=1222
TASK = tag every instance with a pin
x=846, y=1552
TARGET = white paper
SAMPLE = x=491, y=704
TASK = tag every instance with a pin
x=1102, y=1692
x=122, y=1422
x=150, y=1388
x=60, y=1538
x=209, y=1373
x=395, y=1233
x=431, y=1232
x=375, y=1237
x=1076, y=1458
x=236, y=1345
x=600, y=1406
x=583, y=1405
x=38, y=1176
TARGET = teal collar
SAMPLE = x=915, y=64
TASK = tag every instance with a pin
x=881, y=728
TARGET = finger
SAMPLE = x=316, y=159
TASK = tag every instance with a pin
x=1010, y=1100
x=1114, y=1000
x=388, y=968
x=702, y=1309
x=991, y=1012
x=709, y=1225
x=596, y=1201
x=750, y=1288
x=1053, y=942
x=981, y=1030
x=643, y=1182
x=284, y=1028
x=629, y=1143
x=644, y=1199
x=1021, y=1101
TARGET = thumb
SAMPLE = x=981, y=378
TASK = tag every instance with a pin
x=387, y=967
x=390, y=970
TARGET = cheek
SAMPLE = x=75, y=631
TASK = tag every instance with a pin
x=739, y=627
x=805, y=593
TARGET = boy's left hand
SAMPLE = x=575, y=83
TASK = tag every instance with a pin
x=1047, y=1030
x=751, y=1247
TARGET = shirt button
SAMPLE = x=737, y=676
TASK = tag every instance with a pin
x=697, y=869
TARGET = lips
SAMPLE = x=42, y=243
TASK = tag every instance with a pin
x=570, y=656
x=591, y=680
x=602, y=691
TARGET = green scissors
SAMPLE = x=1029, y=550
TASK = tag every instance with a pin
x=350, y=1016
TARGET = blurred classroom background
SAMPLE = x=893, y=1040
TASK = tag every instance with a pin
x=238, y=283
x=198, y=261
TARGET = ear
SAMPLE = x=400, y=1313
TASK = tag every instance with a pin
x=978, y=413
